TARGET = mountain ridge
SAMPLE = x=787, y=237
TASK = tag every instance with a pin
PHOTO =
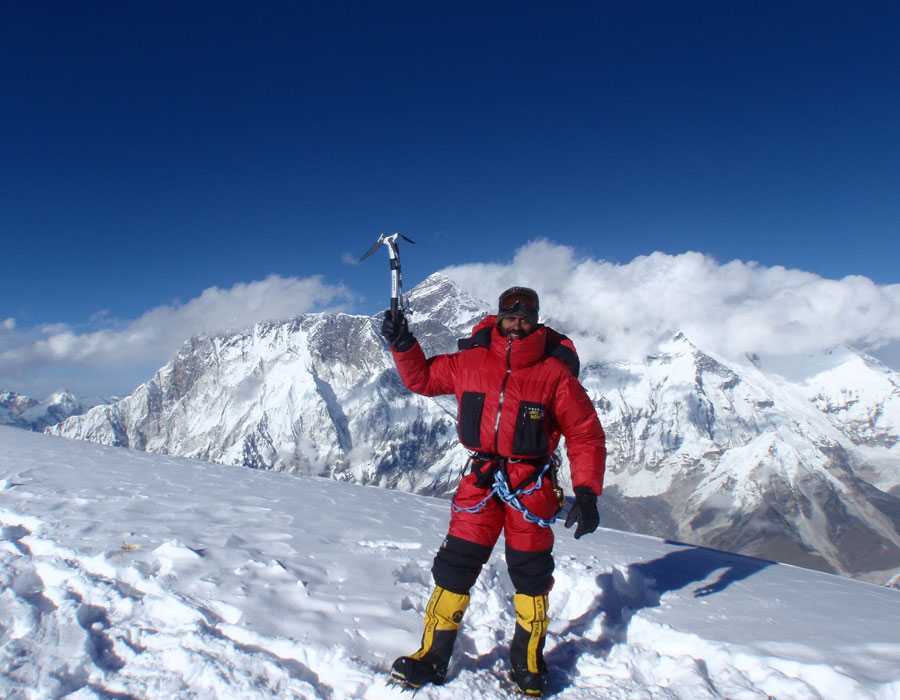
x=22, y=411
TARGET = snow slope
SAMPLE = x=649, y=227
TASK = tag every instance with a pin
x=134, y=575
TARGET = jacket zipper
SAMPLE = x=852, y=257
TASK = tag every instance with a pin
x=502, y=392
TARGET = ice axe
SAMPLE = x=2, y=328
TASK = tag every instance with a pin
x=396, y=277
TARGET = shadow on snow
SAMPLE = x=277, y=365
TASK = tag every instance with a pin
x=639, y=586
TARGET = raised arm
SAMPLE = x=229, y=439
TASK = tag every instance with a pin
x=429, y=377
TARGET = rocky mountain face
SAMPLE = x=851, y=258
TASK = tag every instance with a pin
x=316, y=395
x=31, y=414
x=795, y=463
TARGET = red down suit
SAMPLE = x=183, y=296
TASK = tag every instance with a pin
x=515, y=401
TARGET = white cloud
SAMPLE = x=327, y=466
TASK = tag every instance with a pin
x=732, y=309
x=152, y=339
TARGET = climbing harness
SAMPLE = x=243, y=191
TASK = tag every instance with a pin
x=502, y=489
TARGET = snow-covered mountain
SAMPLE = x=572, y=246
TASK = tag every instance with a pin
x=25, y=412
x=132, y=575
x=795, y=462
x=742, y=460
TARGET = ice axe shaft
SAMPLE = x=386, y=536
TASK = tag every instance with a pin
x=396, y=277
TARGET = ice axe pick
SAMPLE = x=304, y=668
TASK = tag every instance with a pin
x=396, y=277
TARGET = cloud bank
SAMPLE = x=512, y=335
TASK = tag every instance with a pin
x=113, y=347
x=732, y=309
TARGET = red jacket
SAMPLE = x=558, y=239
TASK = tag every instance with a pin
x=514, y=399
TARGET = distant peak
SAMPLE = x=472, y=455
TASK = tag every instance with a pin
x=435, y=279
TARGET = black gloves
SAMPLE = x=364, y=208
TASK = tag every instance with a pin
x=583, y=511
x=396, y=331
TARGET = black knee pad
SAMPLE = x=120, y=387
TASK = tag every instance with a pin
x=531, y=572
x=458, y=563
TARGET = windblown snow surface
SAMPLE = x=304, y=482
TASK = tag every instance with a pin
x=132, y=575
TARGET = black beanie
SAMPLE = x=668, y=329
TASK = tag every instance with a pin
x=519, y=301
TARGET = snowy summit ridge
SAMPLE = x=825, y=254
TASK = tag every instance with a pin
x=31, y=414
x=130, y=575
x=752, y=457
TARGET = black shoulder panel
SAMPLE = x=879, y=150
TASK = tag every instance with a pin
x=556, y=349
x=567, y=355
x=481, y=339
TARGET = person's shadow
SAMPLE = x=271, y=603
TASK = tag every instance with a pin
x=623, y=593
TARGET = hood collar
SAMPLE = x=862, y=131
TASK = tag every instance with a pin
x=523, y=351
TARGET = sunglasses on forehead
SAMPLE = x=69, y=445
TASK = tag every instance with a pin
x=519, y=300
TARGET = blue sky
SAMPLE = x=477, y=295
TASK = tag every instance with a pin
x=151, y=151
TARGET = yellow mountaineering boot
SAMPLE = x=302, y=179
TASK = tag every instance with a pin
x=443, y=615
x=527, y=649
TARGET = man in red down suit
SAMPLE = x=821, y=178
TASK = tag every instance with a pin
x=516, y=384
